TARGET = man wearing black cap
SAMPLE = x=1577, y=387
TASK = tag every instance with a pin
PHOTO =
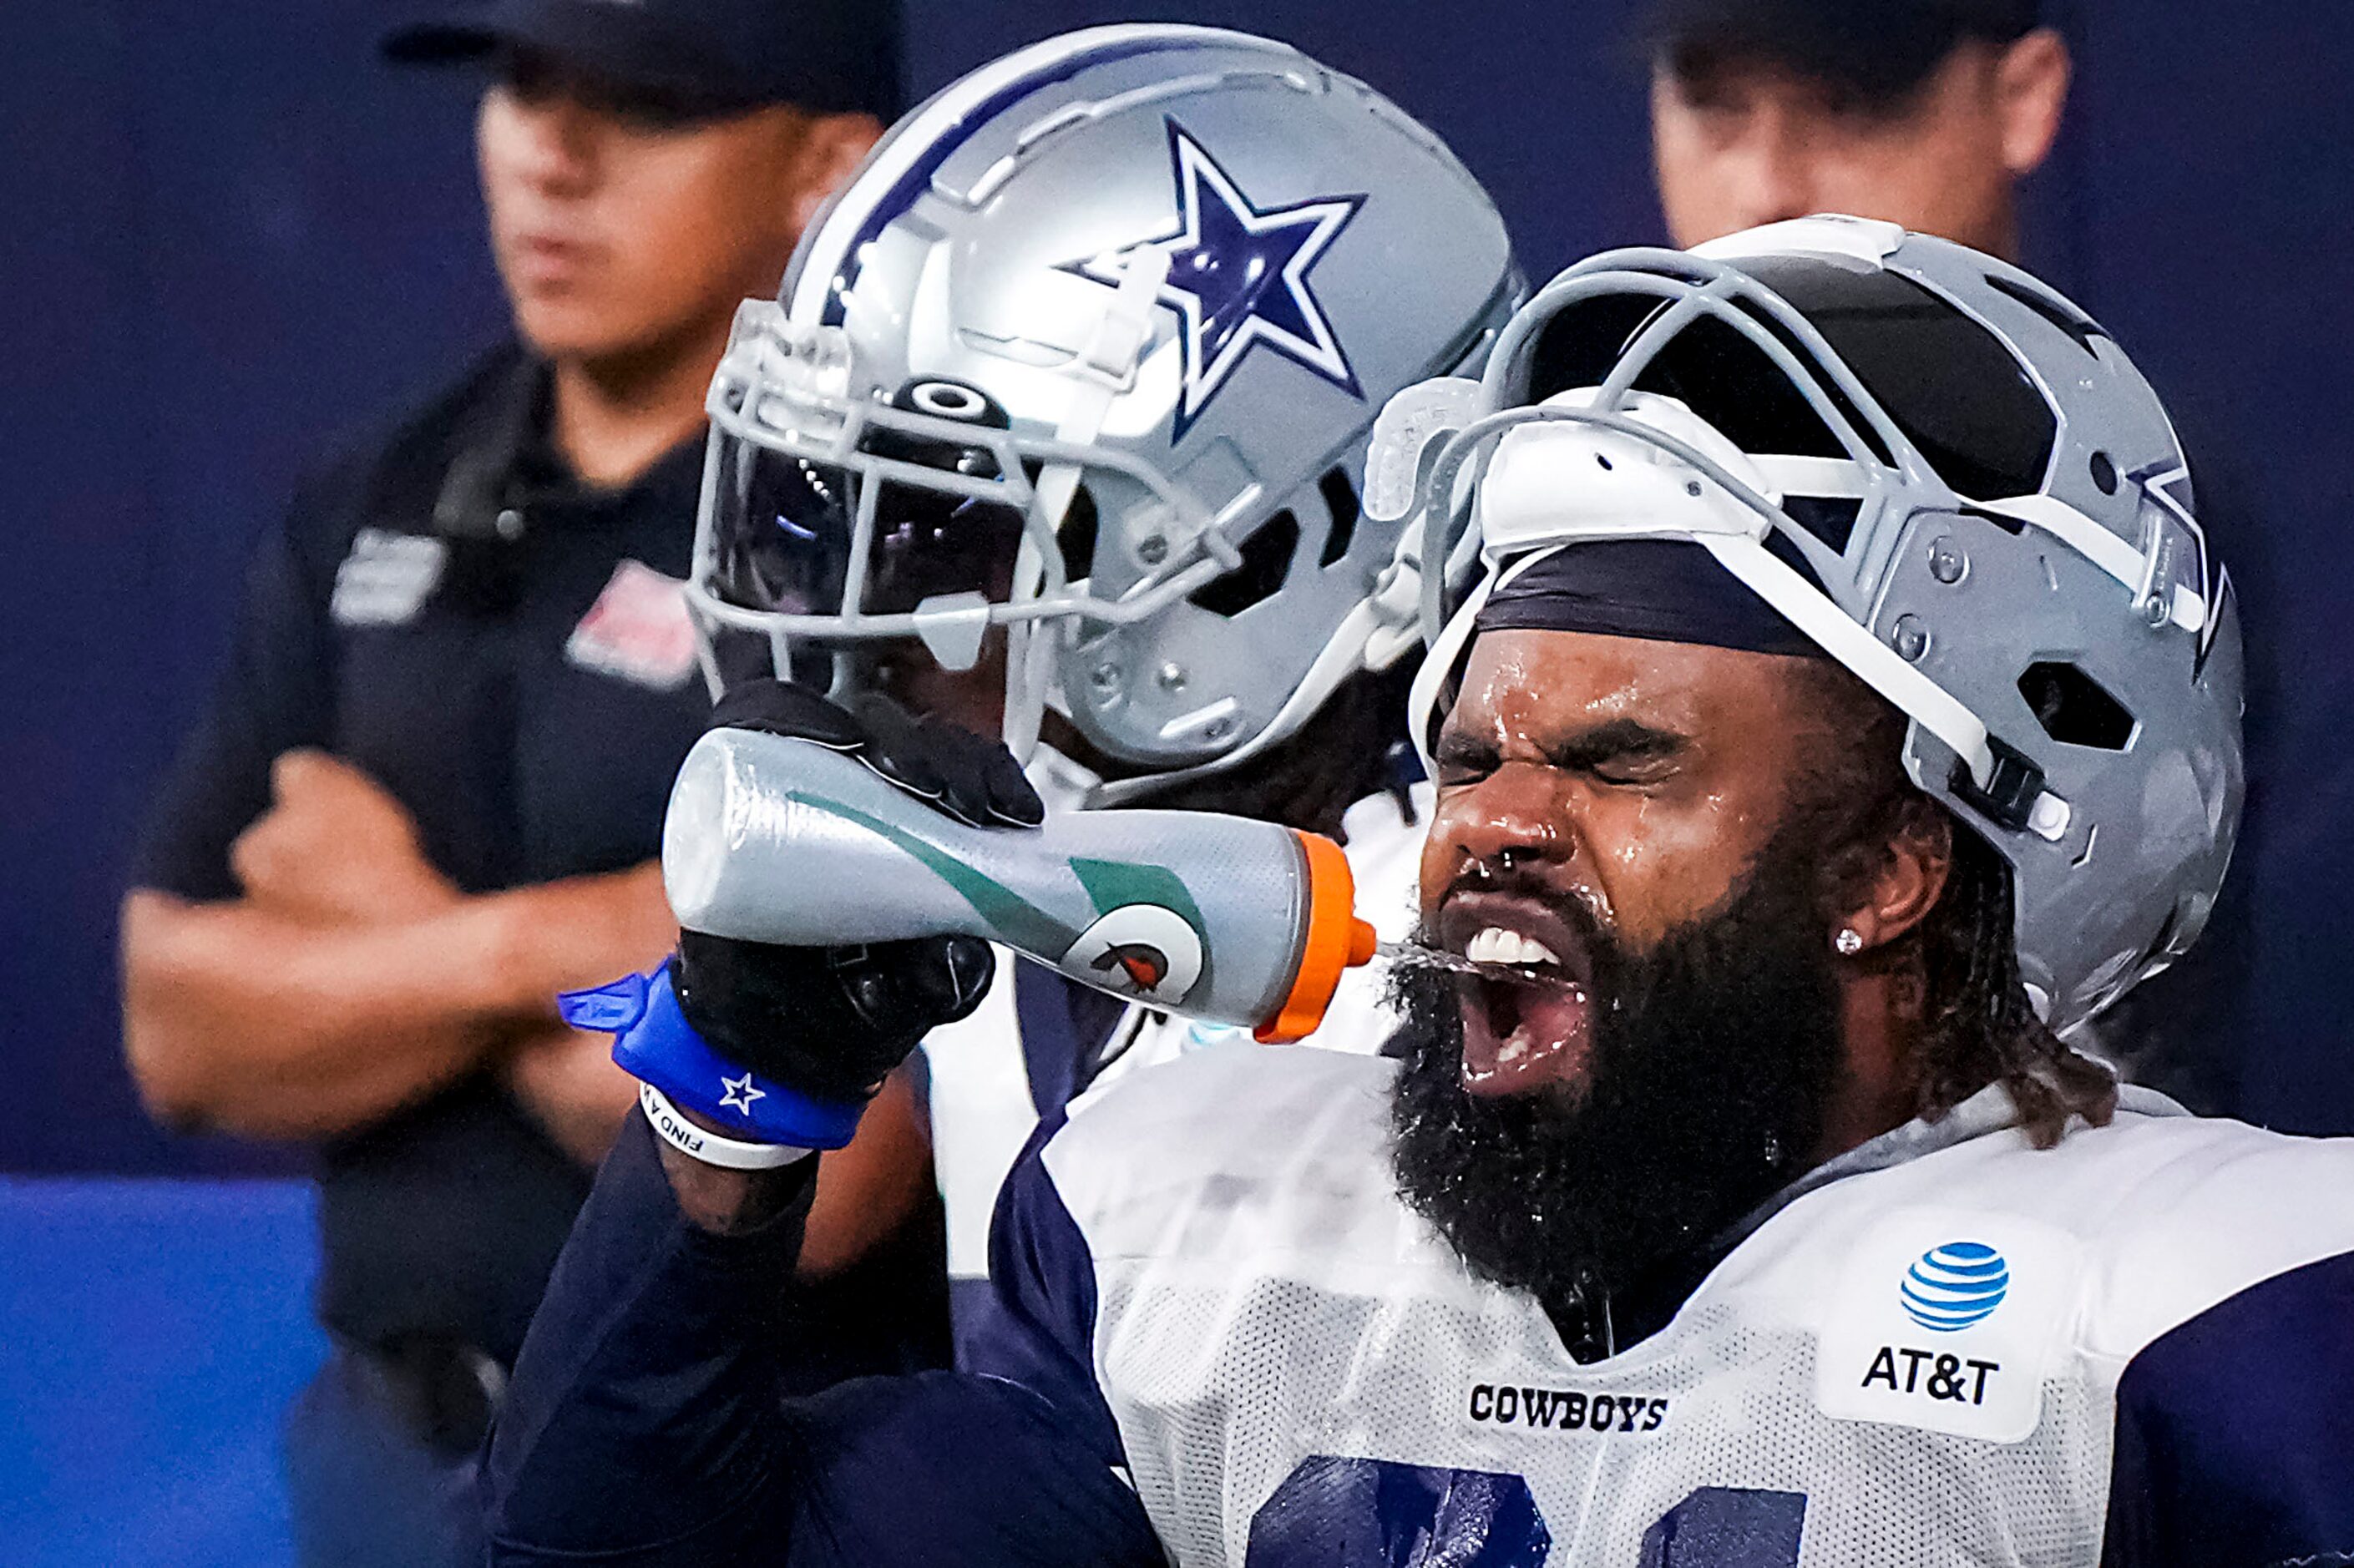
x=430, y=792
x=1921, y=112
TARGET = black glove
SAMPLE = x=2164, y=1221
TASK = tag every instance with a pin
x=834, y=1021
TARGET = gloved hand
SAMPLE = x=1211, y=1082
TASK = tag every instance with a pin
x=787, y=1044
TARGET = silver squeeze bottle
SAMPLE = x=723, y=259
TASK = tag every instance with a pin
x=1221, y=918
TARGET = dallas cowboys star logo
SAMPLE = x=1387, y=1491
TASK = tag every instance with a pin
x=741, y=1093
x=1238, y=277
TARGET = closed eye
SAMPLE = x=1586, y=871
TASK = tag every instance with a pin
x=1632, y=772
x=1462, y=758
x=1621, y=753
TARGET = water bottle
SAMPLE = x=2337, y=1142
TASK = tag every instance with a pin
x=1218, y=917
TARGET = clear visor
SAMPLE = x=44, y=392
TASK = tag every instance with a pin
x=786, y=539
x=861, y=582
x=841, y=517
x=848, y=531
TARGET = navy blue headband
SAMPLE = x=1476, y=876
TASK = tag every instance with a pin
x=1662, y=590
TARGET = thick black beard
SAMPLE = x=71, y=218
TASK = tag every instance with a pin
x=1713, y=1059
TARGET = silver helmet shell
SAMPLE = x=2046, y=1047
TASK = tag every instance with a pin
x=1087, y=351
x=1944, y=474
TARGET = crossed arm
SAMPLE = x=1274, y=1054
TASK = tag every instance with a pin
x=352, y=979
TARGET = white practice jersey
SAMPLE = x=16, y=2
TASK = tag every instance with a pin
x=986, y=1096
x=1916, y=1360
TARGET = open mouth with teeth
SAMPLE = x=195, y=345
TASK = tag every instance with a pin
x=1528, y=1014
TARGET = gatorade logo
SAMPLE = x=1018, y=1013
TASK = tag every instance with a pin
x=1145, y=965
x=1140, y=950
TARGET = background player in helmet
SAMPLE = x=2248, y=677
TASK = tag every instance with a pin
x=1752, y=1198
x=1063, y=440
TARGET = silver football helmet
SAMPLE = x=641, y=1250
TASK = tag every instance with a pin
x=1942, y=473
x=1088, y=352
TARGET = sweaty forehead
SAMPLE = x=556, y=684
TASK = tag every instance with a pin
x=1546, y=686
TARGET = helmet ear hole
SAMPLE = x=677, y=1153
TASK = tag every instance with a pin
x=2074, y=708
x=1341, y=497
x=1266, y=564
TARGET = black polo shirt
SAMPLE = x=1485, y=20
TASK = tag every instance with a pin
x=528, y=699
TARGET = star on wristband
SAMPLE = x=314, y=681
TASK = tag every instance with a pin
x=654, y=1043
x=711, y=1148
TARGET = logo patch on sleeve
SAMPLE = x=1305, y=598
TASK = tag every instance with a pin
x=1949, y=1320
x=638, y=629
x=386, y=578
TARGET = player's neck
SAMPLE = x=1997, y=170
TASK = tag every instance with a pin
x=615, y=417
x=1875, y=1094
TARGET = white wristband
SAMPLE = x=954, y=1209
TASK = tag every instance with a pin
x=711, y=1148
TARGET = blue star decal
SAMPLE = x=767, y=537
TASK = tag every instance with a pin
x=1238, y=277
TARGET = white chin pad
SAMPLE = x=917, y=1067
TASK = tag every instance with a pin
x=1551, y=483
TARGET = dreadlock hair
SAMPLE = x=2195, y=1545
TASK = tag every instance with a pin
x=1349, y=748
x=1959, y=966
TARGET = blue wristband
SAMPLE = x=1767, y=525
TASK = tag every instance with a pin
x=654, y=1043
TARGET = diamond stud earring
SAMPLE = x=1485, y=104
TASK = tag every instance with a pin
x=1850, y=942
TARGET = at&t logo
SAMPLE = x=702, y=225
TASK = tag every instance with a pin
x=1955, y=1286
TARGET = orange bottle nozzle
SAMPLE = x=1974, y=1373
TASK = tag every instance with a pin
x=1336, y=941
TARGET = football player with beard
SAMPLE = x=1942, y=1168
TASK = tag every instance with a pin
x=1831, y=705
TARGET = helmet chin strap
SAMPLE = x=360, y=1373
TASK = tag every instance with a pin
x=1029, y=656
x=1100, y=373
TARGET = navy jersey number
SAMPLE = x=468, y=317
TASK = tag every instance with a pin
x=1374, y=1513
x=1724, y=1527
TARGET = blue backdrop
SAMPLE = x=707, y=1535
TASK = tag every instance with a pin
x=233, y=238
